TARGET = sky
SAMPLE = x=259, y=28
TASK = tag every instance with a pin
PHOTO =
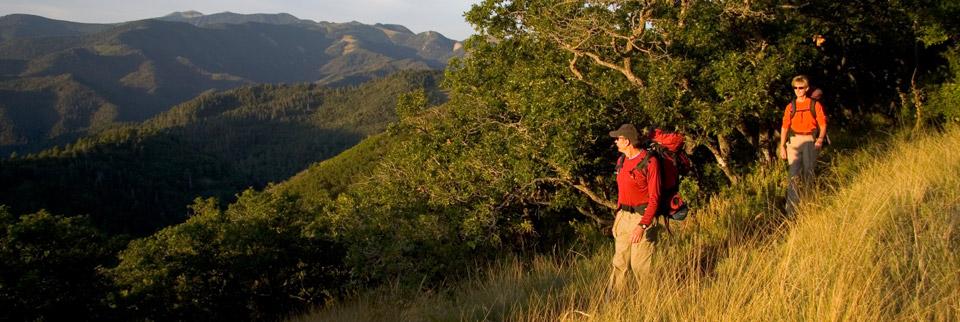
x=443, y=16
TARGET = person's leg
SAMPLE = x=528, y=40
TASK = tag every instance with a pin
x=621, y=254
x=794, y=167
x=808, y=160
x=809, y=156
x=642, y=253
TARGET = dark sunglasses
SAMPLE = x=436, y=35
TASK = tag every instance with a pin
x=799, y=87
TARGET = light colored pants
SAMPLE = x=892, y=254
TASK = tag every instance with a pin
x=630, y=256
x=802, y=159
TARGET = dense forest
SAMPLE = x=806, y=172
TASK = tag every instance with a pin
x=138, y=178
x=515, y=160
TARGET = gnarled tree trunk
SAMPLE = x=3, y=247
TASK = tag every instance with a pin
x=767, y=147
x=721, y=152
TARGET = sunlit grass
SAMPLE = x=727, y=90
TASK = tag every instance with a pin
x=876, y=241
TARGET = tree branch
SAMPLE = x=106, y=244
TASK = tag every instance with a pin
x=722, y=162
x=626, y=69
x=584, y=188
x=589, y=214
x=573, y=67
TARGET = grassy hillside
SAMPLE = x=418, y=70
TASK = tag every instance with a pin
x=879, y=245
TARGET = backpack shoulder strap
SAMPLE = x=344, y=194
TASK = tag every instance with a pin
x=643, y=163
x=813, y=108
x=642, y=166
x=646, y=159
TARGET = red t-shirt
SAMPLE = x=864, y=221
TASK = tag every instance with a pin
x=636, y=186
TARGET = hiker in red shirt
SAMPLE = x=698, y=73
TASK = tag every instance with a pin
x=802, y=136
x=638, y=195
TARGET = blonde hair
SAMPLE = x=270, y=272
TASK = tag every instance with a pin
x=801, y=80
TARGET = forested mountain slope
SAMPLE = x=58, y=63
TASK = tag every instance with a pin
x=518, y=162
x=141, y=177
x=40, y=112
x=141, y=68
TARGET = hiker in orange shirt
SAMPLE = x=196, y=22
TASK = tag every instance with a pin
x=802, y=135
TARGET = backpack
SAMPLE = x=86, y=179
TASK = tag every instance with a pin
x=667, y=147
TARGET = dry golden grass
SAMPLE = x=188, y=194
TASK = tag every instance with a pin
x=878, y=244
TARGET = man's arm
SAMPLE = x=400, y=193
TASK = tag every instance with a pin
x=653, y=191
x=782, y=148
x=652, y=174
x=822, y=123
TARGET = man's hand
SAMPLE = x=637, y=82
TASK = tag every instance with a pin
x=819, y=143
x=782, y=152
x=637, y=235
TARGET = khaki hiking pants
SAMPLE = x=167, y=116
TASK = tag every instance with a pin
x=628, y=255
x=802, y=159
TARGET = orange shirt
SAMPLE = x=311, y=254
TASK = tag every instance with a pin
x=803, y=121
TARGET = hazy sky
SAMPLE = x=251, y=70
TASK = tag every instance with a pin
x=444, y=16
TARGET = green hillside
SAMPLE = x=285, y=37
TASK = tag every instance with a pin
x=876, y=243
x=142, y=68
x=39, y=111
x=496, y=203
x=141, y=177
x=324, y=181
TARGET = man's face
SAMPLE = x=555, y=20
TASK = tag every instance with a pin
x=622, y=144
x=800, y=90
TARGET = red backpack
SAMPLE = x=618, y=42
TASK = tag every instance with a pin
x=667, y=147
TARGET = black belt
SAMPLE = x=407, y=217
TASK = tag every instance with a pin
x=802, y=133
x=635, y=209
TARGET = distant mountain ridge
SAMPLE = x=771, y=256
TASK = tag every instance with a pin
x=201, y=20
x=132, y=71
x=17, y=26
